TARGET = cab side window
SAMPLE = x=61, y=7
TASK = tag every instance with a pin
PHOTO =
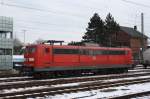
x=46, y=50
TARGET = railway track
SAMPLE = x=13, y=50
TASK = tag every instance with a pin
x=26, y=78
x=49, y=82
x=69, y=89
x=49, y=86
x=9, y=75
x=14, y=79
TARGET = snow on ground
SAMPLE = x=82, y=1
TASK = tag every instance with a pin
x=105, y=93
x=22, y=89
x=11, y=78
x=65, y=85
x=111, y=80
x=143, y=97
x=138, y=70
x=129, y=78
x=27, y=81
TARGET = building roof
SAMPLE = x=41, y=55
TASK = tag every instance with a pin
x=132, y=32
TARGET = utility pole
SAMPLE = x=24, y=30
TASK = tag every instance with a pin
x=24, y=36
x=142, y=31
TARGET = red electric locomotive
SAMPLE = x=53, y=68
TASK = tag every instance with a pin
x=63, y=59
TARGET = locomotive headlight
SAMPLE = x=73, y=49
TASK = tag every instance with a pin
x=31, y=59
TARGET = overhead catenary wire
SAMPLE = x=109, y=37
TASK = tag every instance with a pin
x=48, y=24
x=135, y=3
x=72, y=16
x=42, y=10
x=77, y=4
x=49, y=11
x=34, y=28
x=32, y=8
x=56, y=12
x=46, y=10
x=138, y=4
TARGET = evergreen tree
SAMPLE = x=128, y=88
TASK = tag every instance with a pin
x=95, y=30
x=112, y=28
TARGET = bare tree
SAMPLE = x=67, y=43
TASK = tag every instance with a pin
x=18, y=45
x=39, y=41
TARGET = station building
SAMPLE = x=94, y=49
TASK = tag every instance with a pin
x=6, y=43
x=132, y=38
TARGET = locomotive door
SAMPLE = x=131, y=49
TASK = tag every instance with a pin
x=47, y=56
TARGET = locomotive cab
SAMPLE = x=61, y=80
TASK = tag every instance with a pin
x=30, y=58
x=37, y=56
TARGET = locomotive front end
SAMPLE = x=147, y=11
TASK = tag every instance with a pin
x=30, y=59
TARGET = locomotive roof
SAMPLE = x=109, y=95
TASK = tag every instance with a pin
x=87, y=47
x=81, y=47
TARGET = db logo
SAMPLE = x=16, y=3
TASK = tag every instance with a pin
x=94, y=57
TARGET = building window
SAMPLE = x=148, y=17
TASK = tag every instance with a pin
x=5, y=51
x=2, y=52
x=8, y=52
x=2, y=35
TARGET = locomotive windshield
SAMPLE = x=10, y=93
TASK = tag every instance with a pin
x=30, y=49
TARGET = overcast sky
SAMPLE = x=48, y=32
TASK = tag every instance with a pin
x=67, y=19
